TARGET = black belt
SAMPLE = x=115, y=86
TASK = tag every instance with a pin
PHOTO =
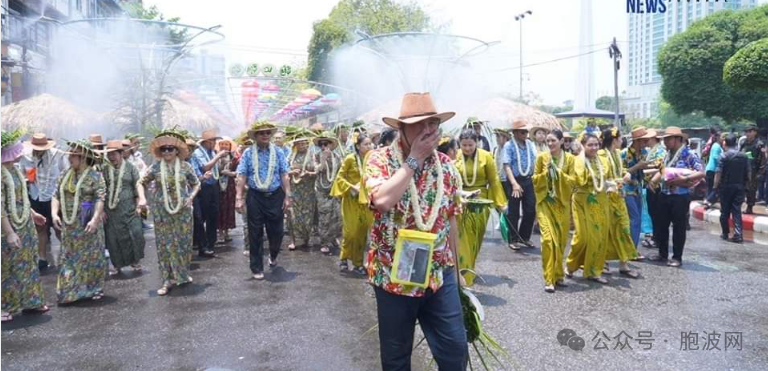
x=265, y=194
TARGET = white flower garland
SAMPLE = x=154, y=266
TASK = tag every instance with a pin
x=592, y=173
x=177, y=183
x=303, y=165
x=208, y=159
x=76, y=203
x=671, y=162
x=474, y=171
x=330, y=174
x=19, y=219
x=270, y=166
x=528, y=149
x=113, y=197
x=418, y=213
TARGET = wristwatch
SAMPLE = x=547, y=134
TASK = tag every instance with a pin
x=412, y=163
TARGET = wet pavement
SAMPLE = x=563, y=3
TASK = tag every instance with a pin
x=308, y=316
x=304, y=316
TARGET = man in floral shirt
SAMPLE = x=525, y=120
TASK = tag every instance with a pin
x=675, y=198
x=411, y=167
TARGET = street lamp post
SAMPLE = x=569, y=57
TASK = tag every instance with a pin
x=519, y=18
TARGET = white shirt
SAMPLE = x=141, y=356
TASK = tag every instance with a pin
x=49, y=167
x=136, y=160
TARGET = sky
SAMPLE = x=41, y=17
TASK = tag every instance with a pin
x=278, y=32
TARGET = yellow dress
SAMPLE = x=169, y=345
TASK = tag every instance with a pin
x=356, y=215
x=590, y=209
x=473, y=220
x=553, y=211
x=621, y=246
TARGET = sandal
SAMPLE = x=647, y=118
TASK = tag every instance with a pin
x=114, y=271
x=560, y=283
x=629, y=273
x=325, y=250
x=163, y=290
x=549, y=288
x=38, y=310
x=599, y=280
x=514, y=247
x=568, y=273
x=343, y=266
x=247, y=252
x=292, y=247
x=136, y=267
x=97, y=297
x=361, y=271
x=7, y=317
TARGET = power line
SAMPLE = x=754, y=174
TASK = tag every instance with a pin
x=549, y=61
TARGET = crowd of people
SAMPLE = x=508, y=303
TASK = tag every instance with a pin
x=407, y=206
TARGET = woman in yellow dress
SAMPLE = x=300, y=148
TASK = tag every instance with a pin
x=356, y=215
x=553, y=182
x=590, y=209
x=621, y=247
x=479, y=174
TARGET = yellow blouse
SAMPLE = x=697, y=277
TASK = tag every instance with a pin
x=349, y=175
x=562, y=187
x=584, y=183
x=486, y=179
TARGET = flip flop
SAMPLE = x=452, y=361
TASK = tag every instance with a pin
x=292, y=247
x=630, y=273
x=38, y=310
x=599, y=280
x=325, y=250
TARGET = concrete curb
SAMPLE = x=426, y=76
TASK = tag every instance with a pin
x=750, y=222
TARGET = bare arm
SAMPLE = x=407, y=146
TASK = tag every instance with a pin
x=287, y=188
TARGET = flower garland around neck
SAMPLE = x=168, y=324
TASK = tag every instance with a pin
x=330, y=174
x=177, y=184
x=113, y=197
x=615, y=163
x=208, y=159
x=418, y=212
x=597, y=186
x=554, y=168
x=528, y=150
x=474, y=171
x=19, y=219
x=671, y=162
x=67, y=180
x=270, y=167
x=307, y=155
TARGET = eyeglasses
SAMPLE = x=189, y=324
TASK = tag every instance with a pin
x=323, y=144
x=263, y=132
x=167, y=149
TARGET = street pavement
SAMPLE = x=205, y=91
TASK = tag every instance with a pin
x=308, y=316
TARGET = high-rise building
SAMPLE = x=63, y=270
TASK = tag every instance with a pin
x=647, y=34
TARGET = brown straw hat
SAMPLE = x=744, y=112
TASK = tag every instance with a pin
x=417, y=107
x=113, y=145
x=96, y=139
x=642, y=133
x=674, y=131
x=519, y=125
x=40, y=142
x=209, y=134
x=261, y=126
x=169, y=139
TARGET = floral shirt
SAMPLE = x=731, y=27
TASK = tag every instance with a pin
x=379, y=167
x=687, y=160
x=630, y=157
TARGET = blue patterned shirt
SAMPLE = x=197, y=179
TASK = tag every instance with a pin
x=688, y=160
x=245, y=167
x=526, y=160
x=199, y=158
x=630, y=158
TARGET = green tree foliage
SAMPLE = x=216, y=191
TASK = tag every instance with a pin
x=370, y=16
x=605, y=103
x=748, y=68
x=138, y=11
x=695, y=119
x=691, y=65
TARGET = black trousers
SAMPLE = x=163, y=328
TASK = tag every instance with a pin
x=528, y=203
x=206, y=216
x=731, y=198
x=711, y=191
x=265, y=209
x=672, y=209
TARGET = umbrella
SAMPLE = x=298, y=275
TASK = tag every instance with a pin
x=501, y=112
